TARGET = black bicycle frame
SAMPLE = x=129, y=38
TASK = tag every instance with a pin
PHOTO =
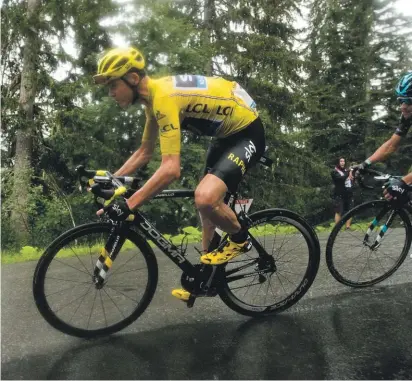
x=170, y=250
x=147, y=228
x=386, y=225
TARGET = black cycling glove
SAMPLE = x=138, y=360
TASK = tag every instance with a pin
x=398, y=189
x=118, y=210
x=359, y=168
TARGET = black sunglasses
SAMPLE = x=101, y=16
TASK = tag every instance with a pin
x=407, y=100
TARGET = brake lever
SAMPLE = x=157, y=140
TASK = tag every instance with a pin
x=106, y=194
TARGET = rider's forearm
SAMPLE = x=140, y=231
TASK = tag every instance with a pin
x=384, y=151
x=159, y=181
x=137, y=160
x=408, y=178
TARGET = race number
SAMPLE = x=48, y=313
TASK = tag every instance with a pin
x=188, y=82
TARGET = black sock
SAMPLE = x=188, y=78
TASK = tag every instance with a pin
x=240, y=236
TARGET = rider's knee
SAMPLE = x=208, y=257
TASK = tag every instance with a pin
x=205, y=200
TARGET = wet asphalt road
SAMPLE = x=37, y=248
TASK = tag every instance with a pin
x=333, y=333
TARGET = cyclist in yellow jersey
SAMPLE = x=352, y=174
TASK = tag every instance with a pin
x=209, y=106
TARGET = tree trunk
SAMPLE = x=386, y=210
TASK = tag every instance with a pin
x=24, y=136
x=209, y=9
x=369, y=149
x=208, y=17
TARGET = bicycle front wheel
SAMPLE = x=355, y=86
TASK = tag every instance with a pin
x=67, y=296
x=373, y=248
x=257, y=285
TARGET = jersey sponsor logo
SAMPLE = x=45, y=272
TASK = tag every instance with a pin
x=164, y=244
x=204, y=108
x=167, y=128
x=224, y=110
x=238, y=162
x=397, y=188
x=116, y=242
x=198, y=108
x=160, y=195
x=250, y=150
x=159, y=115
x=187, y=82
x=117, y=209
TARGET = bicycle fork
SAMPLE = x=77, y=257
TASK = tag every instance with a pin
x=108, y=254
x=383, y=229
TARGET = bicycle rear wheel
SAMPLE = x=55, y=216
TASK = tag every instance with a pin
x=374, y=248
x=66, y=295
x=257, y=286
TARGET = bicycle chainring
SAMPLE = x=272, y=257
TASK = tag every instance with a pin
x=197, y=285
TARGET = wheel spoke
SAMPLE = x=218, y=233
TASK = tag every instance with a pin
x=291, y=252
x=121, y=266
x=66, y=264
x=91, y=310
x=114, y=303
x=75, y=311
x=87, y=271
x=81, y=296
x=104, y=311
x=358, y=264
x=122, y=293
x=65, y=289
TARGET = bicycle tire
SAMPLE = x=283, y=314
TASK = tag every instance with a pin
x=330, y=260
x=75, y=234
x=312, y=242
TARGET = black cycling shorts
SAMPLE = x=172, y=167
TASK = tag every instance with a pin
x=231, y=157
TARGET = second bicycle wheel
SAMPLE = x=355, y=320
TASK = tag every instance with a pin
x=66, y=295
x=373, y=248
x=257, y=287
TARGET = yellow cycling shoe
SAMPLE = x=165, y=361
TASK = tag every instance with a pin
x=225, y=253
x=181, y=294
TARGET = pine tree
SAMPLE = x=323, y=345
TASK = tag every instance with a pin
x=356, y=52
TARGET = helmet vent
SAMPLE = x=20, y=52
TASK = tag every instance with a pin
x=107, y=64
x=120, y=63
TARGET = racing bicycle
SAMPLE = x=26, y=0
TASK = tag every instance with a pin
x=97, y=278
x=377, y=243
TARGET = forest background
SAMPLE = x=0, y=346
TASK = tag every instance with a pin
x=322, y=73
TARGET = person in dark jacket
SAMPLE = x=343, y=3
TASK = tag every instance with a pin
x=343, y=191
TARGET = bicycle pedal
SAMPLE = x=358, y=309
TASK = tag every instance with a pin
x=191, y=301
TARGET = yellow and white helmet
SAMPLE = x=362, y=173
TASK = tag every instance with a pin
x=116, y=63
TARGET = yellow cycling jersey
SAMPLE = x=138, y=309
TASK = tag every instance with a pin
x=209, y=106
